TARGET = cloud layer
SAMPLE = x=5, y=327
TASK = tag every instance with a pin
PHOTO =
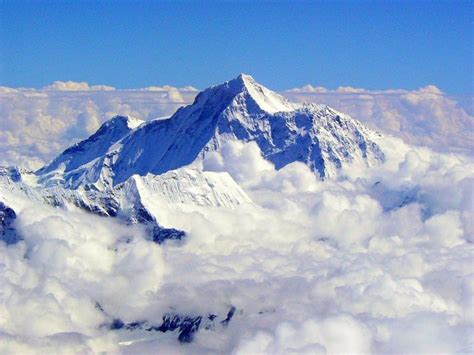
x=381, y=258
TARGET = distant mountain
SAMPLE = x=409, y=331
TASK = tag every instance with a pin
x=240, y=109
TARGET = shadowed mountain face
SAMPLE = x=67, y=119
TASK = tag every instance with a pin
x=93, y=147
x=7, y=229
x=240, y=109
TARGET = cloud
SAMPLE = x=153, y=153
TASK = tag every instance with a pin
x=70, y=270
x=379, y=257
x=340, y=252
x=76, y=86
x=426, y=116
x=243, y=161
x=168, y=88
x=313, y=336
x=308, y=88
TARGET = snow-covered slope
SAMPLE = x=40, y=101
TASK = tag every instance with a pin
x=188, y=187
x=180, y=187
x=88, y=150
x=137, y=200
x=240, y=109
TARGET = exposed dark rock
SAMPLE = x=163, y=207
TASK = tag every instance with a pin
x=12, y=172
x=186, y=326
x=230, y=314
x=161, y=234
x=7, y=229
x=117, y=324
x=134, y=325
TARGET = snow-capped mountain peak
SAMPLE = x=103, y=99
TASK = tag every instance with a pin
x=239, y=109
x=267, y=100
x=129, y=121
x=93, y=147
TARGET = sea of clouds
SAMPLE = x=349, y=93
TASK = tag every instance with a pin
x=379, y=260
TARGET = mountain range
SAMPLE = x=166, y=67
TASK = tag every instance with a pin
x=124, y=168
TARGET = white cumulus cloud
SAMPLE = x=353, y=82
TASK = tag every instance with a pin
x=381, y=258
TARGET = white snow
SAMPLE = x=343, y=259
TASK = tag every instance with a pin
x=267, y=100
x=194, y=187
x=133, y=122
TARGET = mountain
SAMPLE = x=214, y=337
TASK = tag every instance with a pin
x=130, y=169
x=240, y=109
x=94, y=147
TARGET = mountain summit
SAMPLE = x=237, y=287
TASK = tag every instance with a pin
x=264, y=98
x=239, y=109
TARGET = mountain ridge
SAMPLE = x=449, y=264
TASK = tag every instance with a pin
x=239, y=109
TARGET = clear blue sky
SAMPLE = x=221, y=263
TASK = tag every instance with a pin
x=130, y=44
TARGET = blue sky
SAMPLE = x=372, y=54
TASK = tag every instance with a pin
x=129, y=44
